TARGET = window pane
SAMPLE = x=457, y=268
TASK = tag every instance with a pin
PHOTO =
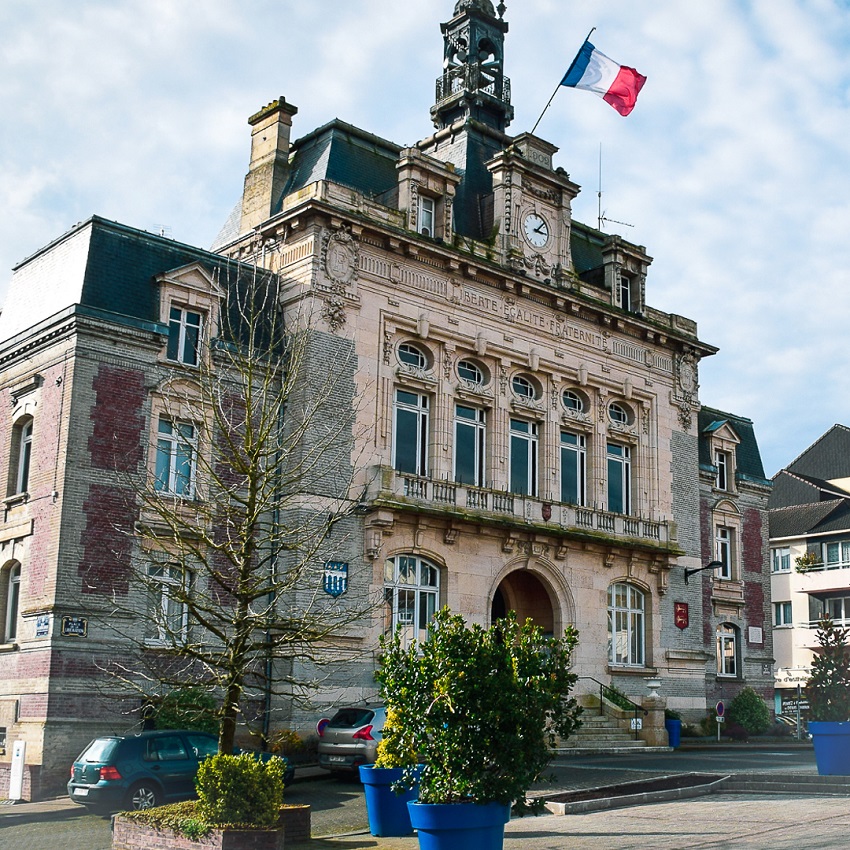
x=615, y=486
x=406, y=442
x=163, y=465
x=183, y=470
x=465, y=453
x=519, y=465
x=406, y=570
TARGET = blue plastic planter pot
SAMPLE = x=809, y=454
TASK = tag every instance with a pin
x=832, y=746
x=450, y=826
x=387, y=811
x=674, y=732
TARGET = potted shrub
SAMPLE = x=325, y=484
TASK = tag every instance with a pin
x=482, y=707
x=828, y=692
x=673, y=725
x=386, y=789
x=239, y=806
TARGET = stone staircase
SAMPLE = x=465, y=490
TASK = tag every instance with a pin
x=602, y=732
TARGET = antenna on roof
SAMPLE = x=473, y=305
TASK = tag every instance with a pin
x=601, y=218
x=163, y=230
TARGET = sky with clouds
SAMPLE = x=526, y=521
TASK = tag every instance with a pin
x=733, y=170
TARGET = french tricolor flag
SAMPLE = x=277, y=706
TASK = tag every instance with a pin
x=616, y=84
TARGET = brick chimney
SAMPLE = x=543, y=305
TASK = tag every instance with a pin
x=269, y=166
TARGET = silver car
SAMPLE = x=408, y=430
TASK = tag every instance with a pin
x=350, y=738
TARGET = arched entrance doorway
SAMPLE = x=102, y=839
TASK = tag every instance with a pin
x=523, y=592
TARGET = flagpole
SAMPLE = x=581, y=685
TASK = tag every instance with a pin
x=559, y=84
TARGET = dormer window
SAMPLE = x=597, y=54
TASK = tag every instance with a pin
x=425, y=216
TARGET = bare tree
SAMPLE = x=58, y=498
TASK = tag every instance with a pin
x=242, y=506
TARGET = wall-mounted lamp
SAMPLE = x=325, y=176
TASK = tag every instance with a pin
x=689, y=571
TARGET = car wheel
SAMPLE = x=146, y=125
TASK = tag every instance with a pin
x=144, y=795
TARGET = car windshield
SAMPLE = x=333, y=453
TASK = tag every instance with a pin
x=351, y=718
x=99, y=750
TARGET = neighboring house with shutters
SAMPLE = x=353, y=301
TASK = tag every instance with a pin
x=809, y=557
x=529, y=434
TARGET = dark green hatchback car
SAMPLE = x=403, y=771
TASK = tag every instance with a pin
x=142, y=771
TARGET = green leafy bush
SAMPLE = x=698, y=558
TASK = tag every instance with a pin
x=750, y=711
x=240, y=790
x=481, y=706
x=187, y=708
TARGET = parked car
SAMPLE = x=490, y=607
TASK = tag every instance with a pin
x=142, y=771
x=350, y=738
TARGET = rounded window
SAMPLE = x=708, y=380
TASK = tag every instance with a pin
x=412, y=355
x=573, y=401
x=619, y=413
x=524, y=388
x=469, y=370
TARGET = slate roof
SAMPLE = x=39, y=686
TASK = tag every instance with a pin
x=112, y=275
x=344, y=154
x=827, y=458
x=747, y=456
x=816, y=518
x=586, y=247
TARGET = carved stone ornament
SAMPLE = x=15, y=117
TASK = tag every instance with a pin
x=686, y=377
x=686, y=368
x=333, y=311
x=535, y=264
x=340, y=260
x=340, y=255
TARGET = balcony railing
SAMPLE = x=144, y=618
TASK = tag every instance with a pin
x=450, y=494
x=472, y=78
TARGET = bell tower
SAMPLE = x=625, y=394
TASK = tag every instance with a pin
x=472, y=110
x=473, y=84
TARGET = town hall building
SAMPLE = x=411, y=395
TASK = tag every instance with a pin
x=527, y=429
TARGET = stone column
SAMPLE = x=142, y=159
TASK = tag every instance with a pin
x=654, y=732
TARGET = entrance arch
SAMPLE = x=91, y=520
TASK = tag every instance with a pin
x=522, y=591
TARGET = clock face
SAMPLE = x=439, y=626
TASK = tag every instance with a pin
x=536, y=230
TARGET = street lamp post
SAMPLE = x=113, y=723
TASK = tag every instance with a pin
x=689, y=571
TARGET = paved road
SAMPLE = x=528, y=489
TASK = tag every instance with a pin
x=742, y=822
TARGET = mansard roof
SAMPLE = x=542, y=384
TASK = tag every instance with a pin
x=747, y=455
x=344, y=154
x=102, y=268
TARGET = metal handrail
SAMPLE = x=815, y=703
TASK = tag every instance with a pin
x=620, y=696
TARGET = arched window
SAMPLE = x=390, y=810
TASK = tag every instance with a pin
x=470, y=371
x=411, y=595
x=572, y=401
x=11, y=581
x=626, y=625
x=412, y=355
x=524, y=388
x=727, y=650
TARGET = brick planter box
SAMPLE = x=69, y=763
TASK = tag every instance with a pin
x=294, y=828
